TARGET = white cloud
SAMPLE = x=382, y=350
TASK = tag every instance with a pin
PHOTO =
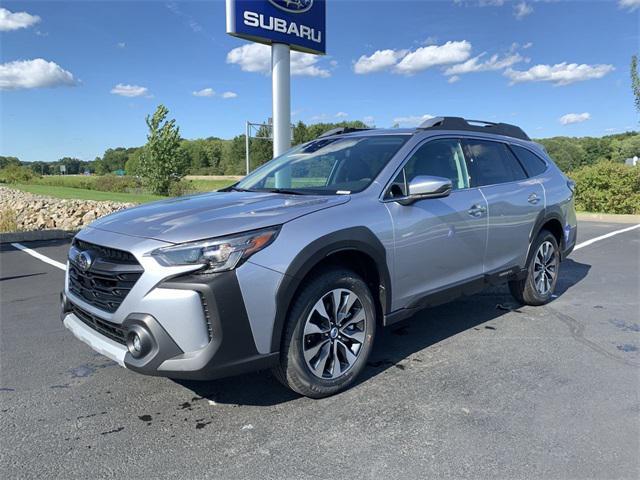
x=14, y=21
x=369, y=120
x=205, y=92
x=570, y=118
x=453, y=79
x=305, y=64
x=378, y=61
x=560, y=74
x=527, y=45
x=408, y=62
x=629, y=4
x=522, y=9
x=227, y=95
x=432, y=56
x=37, y=73
x=480, y=3
x=475, y=65
x=255, y=57
x=342, y=114
x=411, y=120
x=121, y=44
x=129, y=90
x=322, y=117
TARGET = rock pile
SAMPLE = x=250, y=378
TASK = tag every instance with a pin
x=35, y=212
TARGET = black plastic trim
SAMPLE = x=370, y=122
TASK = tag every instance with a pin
x=232, y=349
x=359, y=239
x=452, y=292
x=461, y=124
x=550, y=213
x=162, y=345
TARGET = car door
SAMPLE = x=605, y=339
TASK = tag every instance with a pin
x=514, y=202
x=439, y=242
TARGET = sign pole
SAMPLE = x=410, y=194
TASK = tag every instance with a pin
x=246, y=145
x=281, y=79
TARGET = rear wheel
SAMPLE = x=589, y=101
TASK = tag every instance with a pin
x=328, y=336
x=542, y=272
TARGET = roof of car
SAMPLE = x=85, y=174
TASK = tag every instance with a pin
x=455, y=124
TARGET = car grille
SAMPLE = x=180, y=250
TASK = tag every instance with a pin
x=109, y=279
x=111, y=330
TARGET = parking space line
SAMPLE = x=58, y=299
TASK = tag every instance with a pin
x=607, y=235
x=39, y=256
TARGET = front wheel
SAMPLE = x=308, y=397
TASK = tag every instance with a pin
x=542, y=272
x=328, y=336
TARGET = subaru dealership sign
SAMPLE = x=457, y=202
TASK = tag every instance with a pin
x=297, y=23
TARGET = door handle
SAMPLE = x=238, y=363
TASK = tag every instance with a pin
x=477, y=210
x=533, y=199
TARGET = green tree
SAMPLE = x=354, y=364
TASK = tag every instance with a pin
x=233, y=159
x=162, y=162
x=635, y=80
x=6, y=161
x=132, y=166
x=39, y=168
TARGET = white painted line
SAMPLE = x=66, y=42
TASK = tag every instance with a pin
x=602, y=237
x=62, y=266
x=39, y=256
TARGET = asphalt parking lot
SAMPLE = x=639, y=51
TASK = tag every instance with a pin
x=479, y=388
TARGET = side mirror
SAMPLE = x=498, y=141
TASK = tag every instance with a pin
x=424, y=186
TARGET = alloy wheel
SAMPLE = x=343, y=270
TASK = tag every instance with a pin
x=545, y=268
x=334, y=333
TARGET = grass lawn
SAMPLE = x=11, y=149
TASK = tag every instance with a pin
x=201, y=185
x=82, y=194
x=72, y=187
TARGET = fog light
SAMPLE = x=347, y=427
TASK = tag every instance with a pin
x=139, y=342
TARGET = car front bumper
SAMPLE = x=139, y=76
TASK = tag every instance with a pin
x=230, y=348
x=191, y=326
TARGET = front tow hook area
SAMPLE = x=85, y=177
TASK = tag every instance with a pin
x=65, y=306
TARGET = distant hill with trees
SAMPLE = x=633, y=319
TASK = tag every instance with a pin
x=217, y=156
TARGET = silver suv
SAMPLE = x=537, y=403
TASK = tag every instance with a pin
x=295, y=266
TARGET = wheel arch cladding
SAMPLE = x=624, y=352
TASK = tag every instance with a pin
x=357, y=248
x=549, y=219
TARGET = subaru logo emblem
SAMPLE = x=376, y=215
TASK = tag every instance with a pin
x=292, y=6
x=84, y=261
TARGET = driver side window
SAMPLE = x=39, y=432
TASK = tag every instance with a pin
x=437, y=158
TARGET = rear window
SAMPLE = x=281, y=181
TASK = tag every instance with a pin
x=491, y=163
x=533, y=164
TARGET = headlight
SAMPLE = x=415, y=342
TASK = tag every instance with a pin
x=217, y=254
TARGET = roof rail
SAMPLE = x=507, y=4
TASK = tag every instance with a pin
x=341, y=130
x=459, y=123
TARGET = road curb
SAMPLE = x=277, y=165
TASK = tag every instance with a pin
x=608, y=217
x=36, y=235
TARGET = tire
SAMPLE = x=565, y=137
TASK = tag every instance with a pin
x=337, y=349
x=542, y=272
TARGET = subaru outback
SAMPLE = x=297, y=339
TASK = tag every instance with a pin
x=295, y=266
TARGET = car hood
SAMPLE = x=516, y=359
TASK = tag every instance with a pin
x=215, y=214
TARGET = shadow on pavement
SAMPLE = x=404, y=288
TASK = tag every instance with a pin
x=394, y=344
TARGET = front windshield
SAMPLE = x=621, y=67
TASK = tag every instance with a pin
x=326, y=166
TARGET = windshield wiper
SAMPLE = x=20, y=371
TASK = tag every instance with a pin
x=236, y=189
x=283, y=191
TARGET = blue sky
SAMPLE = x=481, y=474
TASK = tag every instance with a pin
x=553, y=67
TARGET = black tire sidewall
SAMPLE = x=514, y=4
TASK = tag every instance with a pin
x=530, y=288
x=297, y=372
